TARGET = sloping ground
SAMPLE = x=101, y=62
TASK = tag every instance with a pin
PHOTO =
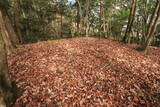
x=86, y=72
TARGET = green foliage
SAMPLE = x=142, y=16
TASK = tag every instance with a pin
x=36, y=19
x=55, y=19
x=56, y=40
x=121, y=14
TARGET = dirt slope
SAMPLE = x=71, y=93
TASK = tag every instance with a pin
x=85, y=72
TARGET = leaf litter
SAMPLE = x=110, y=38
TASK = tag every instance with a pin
x=85, y=72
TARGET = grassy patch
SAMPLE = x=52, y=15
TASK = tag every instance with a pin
x=56, y=40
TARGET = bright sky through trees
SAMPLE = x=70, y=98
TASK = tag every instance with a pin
x=72, y=1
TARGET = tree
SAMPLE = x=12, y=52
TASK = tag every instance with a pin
x=17, y=13
x=102, y=17
x=87, y=17
x=79, y=16
x=8, y=40
x=5, y=83
x=131, y=18
x=152, y=26
x=8, y=33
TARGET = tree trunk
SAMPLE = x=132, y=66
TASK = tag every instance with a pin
x=5, y=34
x=61, y=25
x=100, y=16
x=78, y=16
x=104, y=20
x=17, y=20
x=7, y=96
x=144, y=21
x=87, y=17
x=126, y=38
x=12, y=34
x=5, y=83
x=152, y=27
x=79, y=23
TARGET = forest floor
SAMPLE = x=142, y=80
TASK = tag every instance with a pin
x=86, y=72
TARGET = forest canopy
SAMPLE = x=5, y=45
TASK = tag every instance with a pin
x=36, y=20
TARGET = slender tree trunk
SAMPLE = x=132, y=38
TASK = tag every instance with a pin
x=100, y=17
x=72, y=27
x=144, y=21
x=17, y=20
x=126, y=38
x=87, y=17
x=105, y=17
x=61, y=25
x=144, y=24
x=80, y=17
x=108, y=21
